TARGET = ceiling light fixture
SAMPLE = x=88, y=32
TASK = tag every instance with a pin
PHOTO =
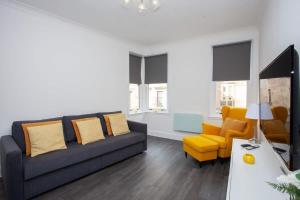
x=142, y=6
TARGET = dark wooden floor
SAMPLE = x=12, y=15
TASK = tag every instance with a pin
x=160, y=173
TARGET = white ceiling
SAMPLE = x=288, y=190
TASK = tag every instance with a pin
x=175, y=20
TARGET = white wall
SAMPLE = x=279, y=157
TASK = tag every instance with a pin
x=280, y=27
x=190, y=89
x=51, y=67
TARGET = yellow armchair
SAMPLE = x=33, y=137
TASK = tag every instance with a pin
x=275, y=130
x=281, y=113
x=212, y=132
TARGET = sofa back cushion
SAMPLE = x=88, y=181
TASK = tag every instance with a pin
x=68, y=126
x=18, y=134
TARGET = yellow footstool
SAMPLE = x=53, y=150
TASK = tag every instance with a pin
x=200, y=148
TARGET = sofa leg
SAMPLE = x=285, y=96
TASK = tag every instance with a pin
x=212, y=162
x=200, y=164
x=185, y=154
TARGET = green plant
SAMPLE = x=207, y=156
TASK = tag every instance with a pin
x=288, y=188
x=289, y=184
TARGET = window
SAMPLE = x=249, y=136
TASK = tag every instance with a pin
x=156, y=79
x=231, y=93
x=231, y=71
x=135, y=64
x=134, y=97
x=157, y=96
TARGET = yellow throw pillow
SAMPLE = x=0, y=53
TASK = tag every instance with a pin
x=107, y=122
x=46, y=138
x=76, y=130
x=232, y=124
x=118, y=124
x=26, y=134
x=90, y=130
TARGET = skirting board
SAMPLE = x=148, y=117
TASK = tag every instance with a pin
x=169, y=135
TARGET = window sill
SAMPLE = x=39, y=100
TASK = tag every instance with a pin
x=132, y=113
x=215, y=116
x=138, y=112
x=157, y=111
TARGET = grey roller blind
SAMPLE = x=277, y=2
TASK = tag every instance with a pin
x=231, y=62
x=156, y=69
x=135, y=64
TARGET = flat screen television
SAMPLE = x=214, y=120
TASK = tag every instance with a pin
x=279, y=88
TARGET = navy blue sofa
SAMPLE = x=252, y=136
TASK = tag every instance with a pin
x=26, y=177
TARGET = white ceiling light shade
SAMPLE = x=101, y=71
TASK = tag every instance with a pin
x=126, y=3
x=142, y=5
x=155, y=4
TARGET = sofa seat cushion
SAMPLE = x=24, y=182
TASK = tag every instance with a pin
x=76, y=153
x=219, y=139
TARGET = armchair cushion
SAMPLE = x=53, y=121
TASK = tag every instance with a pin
x=232, y=124
x=218, y=139
x=278, y=138
x=273, y=127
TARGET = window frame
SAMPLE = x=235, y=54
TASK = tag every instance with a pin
x=147, y=101
x=139, y=110
x=144, y=92
x=213, y=98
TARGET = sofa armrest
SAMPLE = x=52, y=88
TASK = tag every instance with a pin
x=11, y=168
x=210, y=129
x=137, y=127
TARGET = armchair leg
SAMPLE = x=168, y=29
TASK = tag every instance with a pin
x=185, y=154
x=222, y=161
x=212, y=162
